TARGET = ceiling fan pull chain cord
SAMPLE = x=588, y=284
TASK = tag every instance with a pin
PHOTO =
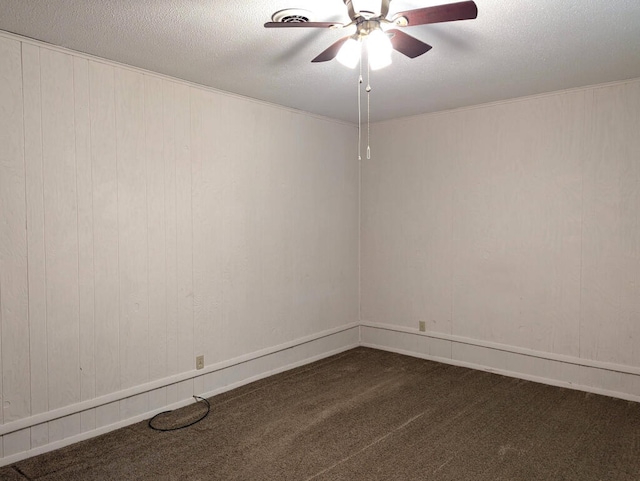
x=360, y=109
x=368, y=110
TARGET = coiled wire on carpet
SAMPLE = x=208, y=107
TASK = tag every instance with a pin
x=184, y=426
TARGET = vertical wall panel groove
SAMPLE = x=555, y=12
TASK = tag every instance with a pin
x=184, y=230
x=60, y=207
x=132, y=227
x=85, y=229
x=170, y=147
x=14, y=308
x=587, y=126
x=208, y=215
x=156, y=228
x=197, y=106
x=35, y=228
x=105, y=227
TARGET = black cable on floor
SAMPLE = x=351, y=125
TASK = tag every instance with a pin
x=186, y=425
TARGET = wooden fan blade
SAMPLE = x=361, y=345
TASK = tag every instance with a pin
x=441, y=13
x=331, y=52
x=302, y=24
x=408, y=45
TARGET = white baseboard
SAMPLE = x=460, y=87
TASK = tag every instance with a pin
x=49, y=431
x=564, y=371
x=53, y=430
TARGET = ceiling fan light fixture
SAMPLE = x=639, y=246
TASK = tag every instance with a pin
x=349, y=54
x=379, y=49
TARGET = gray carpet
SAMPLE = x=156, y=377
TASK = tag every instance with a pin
x=370, y=415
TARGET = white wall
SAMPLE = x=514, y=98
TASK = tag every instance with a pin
x=513, y=231
x=145, y=221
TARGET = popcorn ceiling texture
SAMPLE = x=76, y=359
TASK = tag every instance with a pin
x=513, y=49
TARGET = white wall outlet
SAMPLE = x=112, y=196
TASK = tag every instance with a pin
x=199, y=362
x=422, y=327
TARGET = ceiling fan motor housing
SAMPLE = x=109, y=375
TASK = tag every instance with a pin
x=365, y=27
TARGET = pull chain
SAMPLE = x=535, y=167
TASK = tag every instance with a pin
x=360, y=109
x=368, y=89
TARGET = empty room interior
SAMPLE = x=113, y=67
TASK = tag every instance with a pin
x=399, y=241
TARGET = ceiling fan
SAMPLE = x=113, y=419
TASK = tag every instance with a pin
x=381, y=42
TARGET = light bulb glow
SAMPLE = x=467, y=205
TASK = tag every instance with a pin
x=349, y=54
x=379, y=49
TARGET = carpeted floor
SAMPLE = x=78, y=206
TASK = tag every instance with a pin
x=370, y=415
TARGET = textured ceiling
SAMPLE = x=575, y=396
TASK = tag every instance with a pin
x=514, y=48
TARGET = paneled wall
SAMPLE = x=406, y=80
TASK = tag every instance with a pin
x=145, y=221
x=513, y=231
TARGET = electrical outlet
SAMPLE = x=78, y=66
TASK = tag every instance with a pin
x=422, y=326
x=199, y=362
